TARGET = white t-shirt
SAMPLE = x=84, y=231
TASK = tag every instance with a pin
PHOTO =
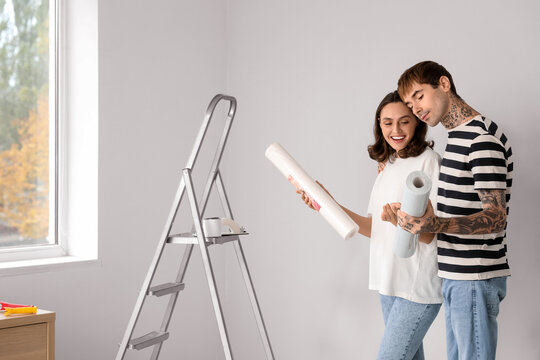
x=414, y=278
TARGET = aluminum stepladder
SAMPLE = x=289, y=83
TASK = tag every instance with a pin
x=196, y=237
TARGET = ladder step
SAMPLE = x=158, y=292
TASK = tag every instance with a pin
x=155, y=337
x=183, y=238
x=190, y=238
x=222, y=239
x=165, y=289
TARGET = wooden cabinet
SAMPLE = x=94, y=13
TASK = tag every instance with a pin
x=27, y=337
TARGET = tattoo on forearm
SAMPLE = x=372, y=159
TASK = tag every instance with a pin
x=493, y=198
x=429, y=226
x=491, y=220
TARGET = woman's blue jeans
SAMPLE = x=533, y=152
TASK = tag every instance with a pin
x=406, y=323
x=471, y=309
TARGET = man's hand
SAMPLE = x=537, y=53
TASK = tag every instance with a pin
x=418, y=225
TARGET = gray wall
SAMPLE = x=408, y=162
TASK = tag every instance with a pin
x=160, y=63
x=308, y=74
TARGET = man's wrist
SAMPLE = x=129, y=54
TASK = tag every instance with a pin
x=439, y=224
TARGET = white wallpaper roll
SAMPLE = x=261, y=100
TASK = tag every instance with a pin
x=323, y=202
x=414, y=202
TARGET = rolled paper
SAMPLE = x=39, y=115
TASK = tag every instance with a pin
x=414, y=203
x=322, y=202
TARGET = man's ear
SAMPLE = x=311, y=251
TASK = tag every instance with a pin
x=444, y=83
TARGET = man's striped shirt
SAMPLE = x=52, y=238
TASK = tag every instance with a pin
x=478, y=156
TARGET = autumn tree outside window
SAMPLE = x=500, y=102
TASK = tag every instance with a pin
x=27, y=130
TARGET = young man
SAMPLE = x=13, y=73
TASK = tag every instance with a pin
x=472, y=206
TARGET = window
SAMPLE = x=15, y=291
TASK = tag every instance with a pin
x=48, y=134
x=27, y=123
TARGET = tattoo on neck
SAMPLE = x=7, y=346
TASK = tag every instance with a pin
x=467, y=111
x=451, y=120
x=458, y=113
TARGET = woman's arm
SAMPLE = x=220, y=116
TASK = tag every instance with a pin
x=426, y=238
x=364, y=223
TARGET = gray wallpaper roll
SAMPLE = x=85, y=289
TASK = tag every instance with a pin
x=414, y=202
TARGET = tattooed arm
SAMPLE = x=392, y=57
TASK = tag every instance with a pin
x=491, y=219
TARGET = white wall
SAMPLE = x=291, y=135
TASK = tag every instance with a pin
x=310, y=74
x=160, y=63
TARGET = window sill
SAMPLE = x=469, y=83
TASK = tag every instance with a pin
x=33, y=266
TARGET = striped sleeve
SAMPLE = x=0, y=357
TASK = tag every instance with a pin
x=487, y=160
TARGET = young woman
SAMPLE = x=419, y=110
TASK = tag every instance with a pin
x=409, y=289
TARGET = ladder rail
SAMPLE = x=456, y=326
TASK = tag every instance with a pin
x=214, y=168
x=246, y=274
x=206, y=122
x=206, y=193
x=181, y=273
x=152, y=271
x=174, y=210
x=208, y=267
x=156, y=339
x=173, y=299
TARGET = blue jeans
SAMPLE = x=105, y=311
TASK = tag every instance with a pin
x=471, y=309
x=406, y=323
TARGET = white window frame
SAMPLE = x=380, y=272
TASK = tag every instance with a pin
x=76, y=157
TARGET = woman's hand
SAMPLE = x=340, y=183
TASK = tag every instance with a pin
x=380, y=167
x=307, y=199
x=389, y=213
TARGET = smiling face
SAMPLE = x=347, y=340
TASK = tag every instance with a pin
x=397, y=125
x=429, y=104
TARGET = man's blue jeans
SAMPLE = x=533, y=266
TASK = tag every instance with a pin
x=406, y=323
x=471, y=309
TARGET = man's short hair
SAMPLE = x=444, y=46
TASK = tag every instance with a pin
x=425, y=72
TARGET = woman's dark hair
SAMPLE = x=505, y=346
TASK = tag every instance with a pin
x=381, y=151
